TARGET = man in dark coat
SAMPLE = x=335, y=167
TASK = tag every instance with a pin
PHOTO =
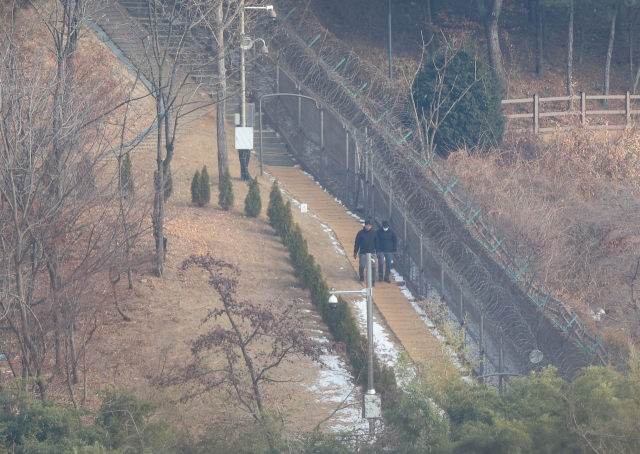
x=388, y=244
x=366, y=242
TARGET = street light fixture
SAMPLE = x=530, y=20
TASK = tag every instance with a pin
x=371, y=408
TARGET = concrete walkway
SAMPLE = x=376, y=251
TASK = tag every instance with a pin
x=400, y=316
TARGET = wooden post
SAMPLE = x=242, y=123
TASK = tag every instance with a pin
x=627, y=106
x=390, y=202
x=323, y=159
x=536, y=113
x=346, y=167
x=583, y=108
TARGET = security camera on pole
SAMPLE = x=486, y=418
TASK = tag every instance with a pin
x=244, y=134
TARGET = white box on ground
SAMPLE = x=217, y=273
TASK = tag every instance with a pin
x=244, y=138
x=303, y=207
x=371, y=406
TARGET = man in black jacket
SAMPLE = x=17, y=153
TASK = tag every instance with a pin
x=388, y=244
x=366, y=242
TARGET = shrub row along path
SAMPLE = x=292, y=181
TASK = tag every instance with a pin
x=392, y=304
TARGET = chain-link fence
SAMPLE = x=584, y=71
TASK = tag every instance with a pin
x=367, y=159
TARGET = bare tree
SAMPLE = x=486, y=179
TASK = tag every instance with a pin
x=58, y=185
x=252, y=343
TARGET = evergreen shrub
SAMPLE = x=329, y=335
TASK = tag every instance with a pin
x=477, y=118
x=168, y=184
x=225, y=191
x=195, y=188
x=205, y=187
x=253, y=202
x=126, y=175
x=341, y=321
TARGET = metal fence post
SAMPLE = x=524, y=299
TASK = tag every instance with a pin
x=481, y=345
x=277, y=97
x=627, y=106
x=373, y=191
x=405, y=262
x=536, y=113
x=421, y=281
x=300, y=134
x=390, y=201
x=501, y=369
x=346, y=167
x=442, y=281
x=322, y=152
x=583, y=107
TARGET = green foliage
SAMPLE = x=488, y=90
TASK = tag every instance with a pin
x=205, y=187
x=253, y=202
x=225, y=191
x=200, y=188
x=341, y=322
x=168, y=184
x=195, y=188
x=456, y=81
x=126, y=175
x=31, y=425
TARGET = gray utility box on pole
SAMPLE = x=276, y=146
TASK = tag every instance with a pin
x=371, y=406
x=251, y=115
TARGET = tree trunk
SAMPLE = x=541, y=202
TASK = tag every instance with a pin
x=223, y=154
x=570, y=53
x=428, y=19
x=607, y=66
x=539, y=40
x=158, y=200
x=490, y=16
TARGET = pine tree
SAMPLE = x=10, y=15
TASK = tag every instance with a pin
x=195, y=188
x=126, y=175
x=168, y=184
x=225, y=195
x=253, y=202
x=205, y=188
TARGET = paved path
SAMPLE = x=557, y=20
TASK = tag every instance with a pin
x=400, y=316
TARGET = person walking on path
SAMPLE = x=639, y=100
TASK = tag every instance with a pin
x=387, y=245
x=366, y=242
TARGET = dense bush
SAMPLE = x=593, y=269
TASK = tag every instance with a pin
x=253, y=202
x=341, y=322
x=476, y=119
x=225, y=191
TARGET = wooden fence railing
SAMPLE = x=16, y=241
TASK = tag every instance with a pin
x=533, y=107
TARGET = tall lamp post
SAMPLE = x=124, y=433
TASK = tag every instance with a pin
x=260, y=116
x=390, y=60
x=246, y=44
x=244, y=134
x=371, y=408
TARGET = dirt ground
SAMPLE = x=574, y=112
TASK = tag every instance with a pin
x=167, y=312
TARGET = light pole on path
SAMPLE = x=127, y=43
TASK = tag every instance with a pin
x=371, y=407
